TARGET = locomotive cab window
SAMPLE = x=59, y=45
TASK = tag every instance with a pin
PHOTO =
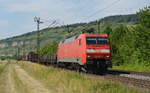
x=97, y=41
x=79, y=42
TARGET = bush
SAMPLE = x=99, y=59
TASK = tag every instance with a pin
x=49, y=49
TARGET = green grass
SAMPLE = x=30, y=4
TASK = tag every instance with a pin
x=3, y=65
x=61, y=81
x=135, y=67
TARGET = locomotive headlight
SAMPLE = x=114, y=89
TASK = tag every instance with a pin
x=90, y=50
x=107, y=56
x=105, y=51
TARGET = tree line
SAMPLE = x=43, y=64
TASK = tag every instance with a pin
x=131, y=44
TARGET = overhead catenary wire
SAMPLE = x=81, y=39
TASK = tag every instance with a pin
x=55, y=22
x=102, y=9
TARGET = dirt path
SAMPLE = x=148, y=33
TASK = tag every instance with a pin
x=10, y=87
x=7, y=81
x=32, y=84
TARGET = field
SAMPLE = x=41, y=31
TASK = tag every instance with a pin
x=2, y=66
x=72, y=82
x=26, y=77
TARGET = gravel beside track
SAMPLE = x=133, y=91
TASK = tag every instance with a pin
x=128, y=72
x=142, y=84
x=136, y=77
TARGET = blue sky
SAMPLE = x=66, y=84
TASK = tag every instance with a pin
x=17, y=16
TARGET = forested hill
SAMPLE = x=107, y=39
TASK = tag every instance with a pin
x=132, y=19
x=27, y=42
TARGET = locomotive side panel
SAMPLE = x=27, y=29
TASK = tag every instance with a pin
x=71, y=51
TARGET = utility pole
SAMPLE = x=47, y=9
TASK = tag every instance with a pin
x=18, y=53
x=68, y=28
x=38, y=21
x=23, y=48
x=98, y=27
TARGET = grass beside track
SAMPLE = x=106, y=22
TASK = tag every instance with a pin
x=3, y=65
x=58, y=80
x=136, y=67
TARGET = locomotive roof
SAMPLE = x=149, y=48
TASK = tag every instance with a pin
x=86, y=34
x=70, y=39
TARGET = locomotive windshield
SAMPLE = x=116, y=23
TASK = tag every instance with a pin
x=97, y=41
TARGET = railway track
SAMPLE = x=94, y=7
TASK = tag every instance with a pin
x=139, y=84
x=140, y=80
x=113, y=71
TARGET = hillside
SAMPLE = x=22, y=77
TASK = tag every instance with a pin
x=27, y=42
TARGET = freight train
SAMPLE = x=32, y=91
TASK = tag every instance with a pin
x=87, y=52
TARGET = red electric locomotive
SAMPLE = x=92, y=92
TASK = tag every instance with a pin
x=91, y=52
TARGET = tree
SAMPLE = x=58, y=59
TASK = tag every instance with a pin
x=117, y=39
x=144, y=17
x=130, y=45
x=107, y=30
x=49, y=49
